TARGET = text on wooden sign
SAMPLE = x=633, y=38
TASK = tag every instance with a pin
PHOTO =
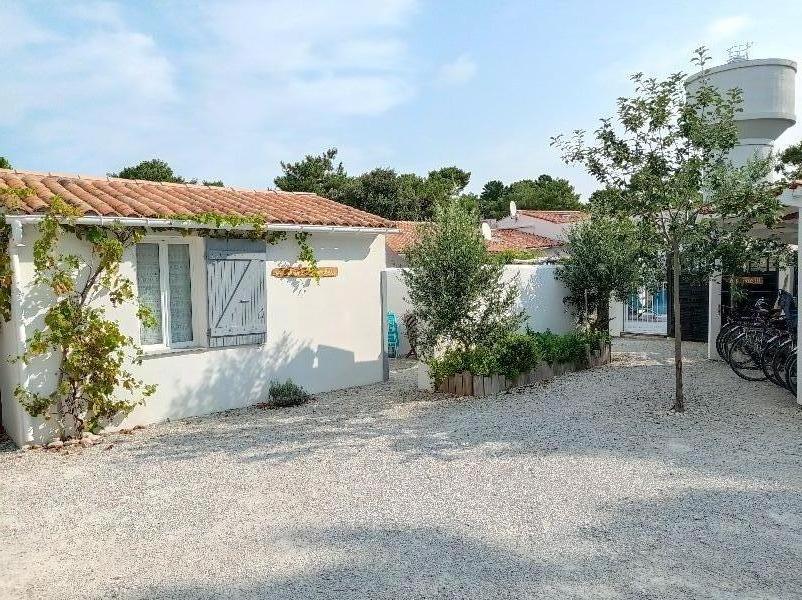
x=304, y=272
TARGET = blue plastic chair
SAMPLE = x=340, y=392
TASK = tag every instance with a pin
x=392, y=335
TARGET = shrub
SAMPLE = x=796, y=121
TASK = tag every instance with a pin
x=569, y=347
x=510, y=356
x=517, y=353
x=509, y=256
x=605, y=257
x=287, y=394
x=479, y=361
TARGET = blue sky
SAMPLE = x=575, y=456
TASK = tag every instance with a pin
x=229, y=89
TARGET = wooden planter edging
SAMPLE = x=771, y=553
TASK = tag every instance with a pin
x=468, y=384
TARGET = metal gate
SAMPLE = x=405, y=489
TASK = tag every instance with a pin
x=647, y=312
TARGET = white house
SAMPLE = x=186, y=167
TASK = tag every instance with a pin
x=500, y=240
x=228, y=324
x=553, y=224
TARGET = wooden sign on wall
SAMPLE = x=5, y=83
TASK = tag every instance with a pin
x=304, y=272
x=752, y=280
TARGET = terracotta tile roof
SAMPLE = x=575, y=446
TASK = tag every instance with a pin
x=557, y=216
x=112, y=197
x=399, y=242
x=515, y=239
x=503, y=239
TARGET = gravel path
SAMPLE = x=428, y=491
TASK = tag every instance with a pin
x=579, y=488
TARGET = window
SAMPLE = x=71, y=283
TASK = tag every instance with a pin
x=164, y=282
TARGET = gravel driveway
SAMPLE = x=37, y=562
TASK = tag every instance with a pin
x=579, y=488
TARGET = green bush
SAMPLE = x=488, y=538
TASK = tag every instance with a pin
x=508, y=257
x=461, y=300
x=569, y=347
x=512, y=355
x=287, y=394
x=479, y=361
x=516, y=353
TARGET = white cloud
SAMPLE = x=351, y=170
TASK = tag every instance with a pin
x=233, y=89
x=727, y=27
x=458, y=72
x=18, y=30
x=51, y=73
x=310, y=59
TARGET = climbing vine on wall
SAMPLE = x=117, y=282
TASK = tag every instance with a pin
x=228, y=226
x=9, y=200
x=5, y=273
x=94, y=384
x=256, y=228
x=306, y=254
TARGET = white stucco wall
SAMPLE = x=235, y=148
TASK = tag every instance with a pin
x=324, y=335
x=8, y=380
x=616, y=317
x=541, y=298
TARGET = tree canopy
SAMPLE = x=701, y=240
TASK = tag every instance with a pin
x=543, y=193
x=665, y=155
x=456, y=291
x=316, y=174
x=381, y=191
x=150, y=170
x=4, y=163
x=156, y=169
x=606, y=257
x=790, y=162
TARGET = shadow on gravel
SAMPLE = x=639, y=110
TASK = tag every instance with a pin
x=732, y=427
x=6, y=443
x=701, y=544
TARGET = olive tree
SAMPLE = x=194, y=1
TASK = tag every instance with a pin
x=666, y=155
x=456, y=291
x=606, y=257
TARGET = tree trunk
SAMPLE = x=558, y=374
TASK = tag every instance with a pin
x=679, y=397
x=603, y=314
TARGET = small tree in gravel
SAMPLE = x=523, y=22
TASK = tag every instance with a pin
x=667, y=157
x=456, y=291
x=606, y=257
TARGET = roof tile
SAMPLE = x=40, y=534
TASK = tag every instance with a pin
x=515, y=239
x=114, y=197
x=556, y=216
x=503, y=239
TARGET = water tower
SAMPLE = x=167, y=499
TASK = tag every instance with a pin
x=768, y=98
x=768, y=86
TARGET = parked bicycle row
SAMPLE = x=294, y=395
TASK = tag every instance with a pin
x=760, y=344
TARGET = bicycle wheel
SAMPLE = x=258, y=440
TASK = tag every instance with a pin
x=723, y=333
x=775, y=369
x=779, y=361
x=767, y=358
x=731, y=338
x=745, y=359
x=790, y=372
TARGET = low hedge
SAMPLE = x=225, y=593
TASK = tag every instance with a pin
x=567, y=347
x=516, y=354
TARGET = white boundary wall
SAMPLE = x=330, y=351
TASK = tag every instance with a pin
x=541, y=299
